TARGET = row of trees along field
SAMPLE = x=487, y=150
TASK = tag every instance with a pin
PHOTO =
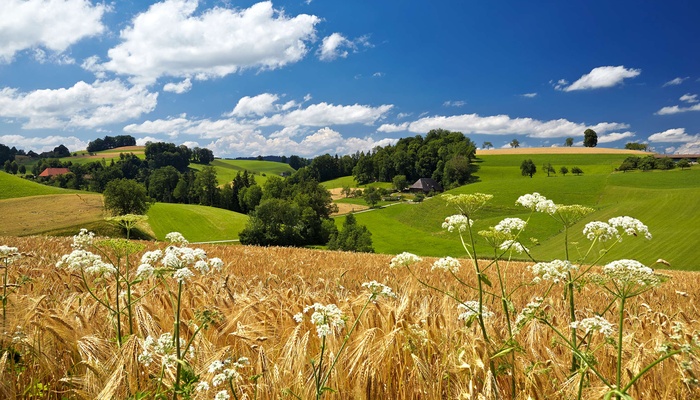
x=442, y=155
x=648, y=163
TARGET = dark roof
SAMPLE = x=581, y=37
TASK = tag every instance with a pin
x=54, y=171
x=426, y=185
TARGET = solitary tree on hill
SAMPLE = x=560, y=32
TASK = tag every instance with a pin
x=515, y=143
x=528, y=168
x=487, y=145
x=590, y=138
x=569, y=142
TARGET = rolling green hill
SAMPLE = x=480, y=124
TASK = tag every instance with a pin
x=663, y=200
x=196, y=223
x=14, y=187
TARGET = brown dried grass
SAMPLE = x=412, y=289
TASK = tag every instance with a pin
x=412, y=347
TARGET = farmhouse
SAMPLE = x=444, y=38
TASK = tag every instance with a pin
x=51, y=172
x=426, y=185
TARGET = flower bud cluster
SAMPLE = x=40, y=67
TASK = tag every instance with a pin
x=404, y=260
x=555, y=270
x=537, y=202
x=594, y=324
x=328, y=318
x=447, y=264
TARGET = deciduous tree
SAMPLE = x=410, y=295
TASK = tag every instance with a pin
x=528, y=168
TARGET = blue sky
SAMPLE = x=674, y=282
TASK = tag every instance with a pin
x=308, y=77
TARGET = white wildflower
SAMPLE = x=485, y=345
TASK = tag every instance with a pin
x=298, y=317
x=537, y=202
x=9, y=254
x=377, y=289
x=555, y=271
x=215, y=366
x=151, y=257
x=404, y=260
x=471, y=309
x=457, y=222
x=511, y=225
x=630, y=226
x=512, y=245
x=176, y=237
x=201, y=266
x=83, y=240
x=183, y=274
x=593, y=324
x=631, y=272
x=222, y=395
x=446, y=264
x=218, y=379
x=85, y=261
x=216, y=263
x=529, y=312
x=202, y=386
x=144, y=271
x=600, y=230
x=326, y=318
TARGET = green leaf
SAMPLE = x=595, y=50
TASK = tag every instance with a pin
x=486, y=280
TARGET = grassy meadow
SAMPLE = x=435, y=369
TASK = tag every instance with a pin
x=59, y=342
x=661, y=199
x=197, y=223
x=226, y=170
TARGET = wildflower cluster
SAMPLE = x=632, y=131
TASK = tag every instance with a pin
x=626, y=273
x=446, y=264
x=83, y=239
x=404, y=260
x=327, y=318
x=457, y=222
x=470, y=310
x=555, y=271
x=377, y=289
x=630, y=226
x=531, y=311
x=601, y=231
x=178, y=260
x=593, y=324
x=85, y=261
x=537, y=202
x=8, y=254
x=511, y=225
x=570, y=214
x=164, y=348
x=224, y=371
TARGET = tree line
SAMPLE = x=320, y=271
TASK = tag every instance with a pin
x=441, y=155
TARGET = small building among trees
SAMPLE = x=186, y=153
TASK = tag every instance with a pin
x=426, y=185
x=51, y=172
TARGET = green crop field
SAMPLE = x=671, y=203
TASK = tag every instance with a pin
x=663, y=200
x=196, y=223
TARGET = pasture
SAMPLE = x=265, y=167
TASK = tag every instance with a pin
x=198, y=223
x=661, y=199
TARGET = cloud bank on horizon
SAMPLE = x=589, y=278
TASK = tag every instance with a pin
x=267, y=78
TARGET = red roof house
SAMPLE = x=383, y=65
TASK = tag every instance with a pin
x=49, y=172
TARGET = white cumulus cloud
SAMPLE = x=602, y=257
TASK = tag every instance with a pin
x=502, y=125
x=676, y=135
x=52, y=24
x=600, y=77
x=169, y=39
x=179, y=88
x=615, y=136
x=338, y=46
x=41, y=144
x=82, y=105
x=257, y=105
x=677, y=109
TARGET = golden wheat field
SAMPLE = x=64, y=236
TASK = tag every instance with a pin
x=59, y=343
